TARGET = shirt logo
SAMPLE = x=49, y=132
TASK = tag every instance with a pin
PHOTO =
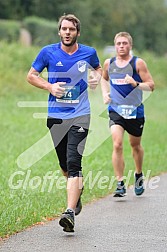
x=118, y=81
x=81, y=66
x=59, y=63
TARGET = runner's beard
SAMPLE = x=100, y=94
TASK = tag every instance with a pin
x=71, y=43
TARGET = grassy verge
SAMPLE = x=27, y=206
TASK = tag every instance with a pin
x=26, y=197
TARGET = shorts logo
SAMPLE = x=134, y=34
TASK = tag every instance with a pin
x=81, y=66
x=81, y=130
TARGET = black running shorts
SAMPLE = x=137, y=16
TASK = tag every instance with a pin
x=69, y=138
x=132, y=126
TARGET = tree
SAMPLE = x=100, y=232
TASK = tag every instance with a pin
x=101, y=20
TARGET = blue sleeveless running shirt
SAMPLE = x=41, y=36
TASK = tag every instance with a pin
x=126, y=100
x=72, y=69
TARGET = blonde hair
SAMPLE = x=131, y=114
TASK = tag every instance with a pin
x=124, y=34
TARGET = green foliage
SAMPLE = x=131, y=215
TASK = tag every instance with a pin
x=151, y=23
x=42, y=31
x=9, y=30
x=17, y=59
x=146, y=20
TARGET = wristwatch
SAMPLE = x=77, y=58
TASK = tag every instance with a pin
x=137, y=84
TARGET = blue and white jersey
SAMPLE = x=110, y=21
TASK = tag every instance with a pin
x=72, y=69
x=126, y=100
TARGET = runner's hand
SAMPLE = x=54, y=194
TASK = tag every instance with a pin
x=93, y=80
x=130, y=80
x=106, y=98
x=57, y=90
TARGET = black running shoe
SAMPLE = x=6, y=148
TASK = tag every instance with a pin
x=67, y=221
x=139, y=184
x=120, y=190
x=79, y=204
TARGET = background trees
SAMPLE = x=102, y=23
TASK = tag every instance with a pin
x=146, y=20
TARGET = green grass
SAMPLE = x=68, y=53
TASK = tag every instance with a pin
x=31, y=200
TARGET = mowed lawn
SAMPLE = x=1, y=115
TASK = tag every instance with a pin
x=27, y=197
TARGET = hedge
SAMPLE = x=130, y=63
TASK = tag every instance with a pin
x=9, y=30
x=42, y=30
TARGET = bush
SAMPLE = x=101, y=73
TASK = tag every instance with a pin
x=42, y=31
x=9, y=30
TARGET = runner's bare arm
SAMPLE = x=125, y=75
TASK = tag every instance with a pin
x=33, y=77
x=105, y=86
x=147, y=83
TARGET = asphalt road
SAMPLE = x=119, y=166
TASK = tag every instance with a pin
x=109, y=224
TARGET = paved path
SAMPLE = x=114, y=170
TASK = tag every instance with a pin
x=109, y=224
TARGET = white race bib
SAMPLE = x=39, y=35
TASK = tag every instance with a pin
x=127, y=111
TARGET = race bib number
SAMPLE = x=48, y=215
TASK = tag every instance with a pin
x=127, y=111
x=71, y=95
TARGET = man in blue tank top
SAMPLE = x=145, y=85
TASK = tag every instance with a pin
x=68, y=64
x=124, y=79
